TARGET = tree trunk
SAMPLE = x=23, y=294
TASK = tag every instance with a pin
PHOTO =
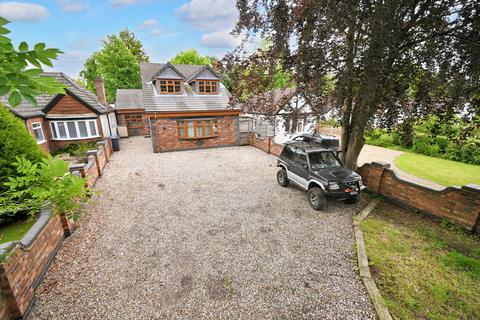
x=353, y=147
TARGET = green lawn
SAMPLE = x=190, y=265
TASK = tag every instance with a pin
x=15, y=231
x=424, y=269
x=441, y=171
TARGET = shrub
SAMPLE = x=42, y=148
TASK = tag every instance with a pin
x=77, y=149
x=453, y=152
x=385, y=140
x=470, y=152
x=442, y=142
x=15, y=141
x=420, y=143
x=35, y=184
x=433, y=150
x=396, y=139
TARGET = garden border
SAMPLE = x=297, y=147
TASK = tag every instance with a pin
x=364, y=269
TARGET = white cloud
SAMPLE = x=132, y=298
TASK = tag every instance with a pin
x=149, y=24
x=71, y=63
x=209, y=15
x=124, y=3
x=73, y=6
x=152, y=27
x=23, y=11
x=220, y=39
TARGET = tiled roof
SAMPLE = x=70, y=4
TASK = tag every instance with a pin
x=129, y=99
x=27, y=110
x=189, y=101
x=277, y=97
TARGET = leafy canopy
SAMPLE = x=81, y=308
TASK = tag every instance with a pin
x=134, y=45
x=192, y=56
x=116, y=64
x=20, y=71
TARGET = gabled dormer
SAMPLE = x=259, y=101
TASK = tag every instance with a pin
x=168, y=80
x=205, y=81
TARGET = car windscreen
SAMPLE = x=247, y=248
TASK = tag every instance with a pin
x=323, y=160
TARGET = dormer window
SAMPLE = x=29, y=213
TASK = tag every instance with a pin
x=208, y=86
x=169, y=86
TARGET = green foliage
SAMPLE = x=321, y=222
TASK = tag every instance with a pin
x=442, y=142
x=115, y=64
x=15, y=231
x=15, y=141
x=134, y=45
x=192, y=56
x=380, y=137
x=20, y=72
x=37, y=183
x=77, y=149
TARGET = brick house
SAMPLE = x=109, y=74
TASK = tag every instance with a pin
x=182, y=106
x=74, y=117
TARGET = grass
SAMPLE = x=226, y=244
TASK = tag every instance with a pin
x=441, y=171
x=15, y=231
x=424, y=269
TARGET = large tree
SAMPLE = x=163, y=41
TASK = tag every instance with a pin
x=383, y=55
x=134, y=45
x=192, y=56
x=116, y=64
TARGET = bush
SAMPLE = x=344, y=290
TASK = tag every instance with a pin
x=470, y=152
x=35, y=184
x=77, y=149
x=442, y=142
x=15, y=141
x=420, y=143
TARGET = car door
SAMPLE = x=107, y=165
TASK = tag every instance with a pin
x=299, y=169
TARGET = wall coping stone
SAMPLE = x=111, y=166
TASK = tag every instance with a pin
x=472, y=187
x=381, y=164
x=92, y=152
x=77, y=166
x=31, y=235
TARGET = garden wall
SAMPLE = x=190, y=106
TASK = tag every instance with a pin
x=97, y=159
x=457, y=205
x=26, y=261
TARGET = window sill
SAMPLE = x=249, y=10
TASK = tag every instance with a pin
x=70, y=139
x=41, y=142
x=197, y=138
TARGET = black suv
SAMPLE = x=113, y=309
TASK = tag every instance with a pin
x=320, y=172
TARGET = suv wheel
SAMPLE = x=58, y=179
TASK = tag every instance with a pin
x=317, y=199
x=282, y=177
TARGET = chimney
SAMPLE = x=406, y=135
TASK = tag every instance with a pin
x=100, y=89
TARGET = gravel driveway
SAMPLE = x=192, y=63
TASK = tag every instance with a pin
x=205, y=234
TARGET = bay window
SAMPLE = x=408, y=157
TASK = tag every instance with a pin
x=38, y=132
x=195, y=129
x=74, y=129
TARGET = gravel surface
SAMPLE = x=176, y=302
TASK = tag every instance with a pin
x=204, y=234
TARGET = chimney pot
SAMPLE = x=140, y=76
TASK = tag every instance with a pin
x=100, y=90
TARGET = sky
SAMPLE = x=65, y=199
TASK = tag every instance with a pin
x=165, y=27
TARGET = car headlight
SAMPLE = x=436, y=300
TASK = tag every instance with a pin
x=360, y=183
x=333, y=186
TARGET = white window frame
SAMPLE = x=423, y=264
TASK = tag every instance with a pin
x=77, y=129
x=37, y=126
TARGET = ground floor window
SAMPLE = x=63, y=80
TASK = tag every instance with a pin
x=73, y=130
x=192, y=129
x=132, y=120
x=38, y=132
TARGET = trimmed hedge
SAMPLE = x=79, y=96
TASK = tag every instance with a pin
x=15, y=141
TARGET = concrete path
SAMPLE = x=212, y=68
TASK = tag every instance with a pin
x=205, y=234
x=373, y=153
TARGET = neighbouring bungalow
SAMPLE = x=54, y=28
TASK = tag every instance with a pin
x=183, y=106
x=74, y=117
x=292, y=114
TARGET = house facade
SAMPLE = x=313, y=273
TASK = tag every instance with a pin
x=293, y=115
x=74, y=117
x=184, y=107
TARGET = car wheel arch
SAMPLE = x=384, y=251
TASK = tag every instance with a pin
x=314, y=183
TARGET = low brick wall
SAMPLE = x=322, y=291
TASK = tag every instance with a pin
x=97, y=159
x=457, y=205
x=26, y=261
x=266, y=144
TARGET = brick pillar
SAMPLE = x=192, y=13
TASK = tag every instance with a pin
x=104, y=144
x=94, y=153
x=467, y=207
x=78, y=168
x=375, y=174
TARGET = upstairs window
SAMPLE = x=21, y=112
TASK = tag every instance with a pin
x=208, y=87
x=170, y=86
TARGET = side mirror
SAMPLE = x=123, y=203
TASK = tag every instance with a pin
x=305, y=166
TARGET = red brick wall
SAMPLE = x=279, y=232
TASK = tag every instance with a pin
x=46, y=131
x=458, y=205
x=22, y=270
x=164, y=135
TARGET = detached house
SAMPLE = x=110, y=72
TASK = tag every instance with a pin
x=62, y=119
x=182, y=106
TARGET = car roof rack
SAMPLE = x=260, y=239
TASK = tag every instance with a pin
x=306, y=146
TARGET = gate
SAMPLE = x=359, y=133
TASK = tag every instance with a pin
x=245, y=126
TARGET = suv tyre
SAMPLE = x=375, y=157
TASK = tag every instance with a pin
x=317, y=199
x=282, y=177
